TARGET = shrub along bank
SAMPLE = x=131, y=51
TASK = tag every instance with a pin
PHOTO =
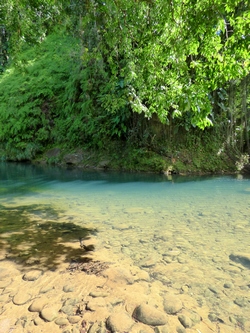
x=47, y=115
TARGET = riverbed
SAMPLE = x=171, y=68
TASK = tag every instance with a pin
x=125, y=252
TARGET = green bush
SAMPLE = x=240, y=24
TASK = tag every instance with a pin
x=31, y=97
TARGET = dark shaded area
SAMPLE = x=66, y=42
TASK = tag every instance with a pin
x=241, y=259
x=33, y=236
x=246, y=169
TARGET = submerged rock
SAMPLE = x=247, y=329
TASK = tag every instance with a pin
x=148, y=262
x=98, y=327
x=228, y=285
x=71, y=301
x=119, y=322
x=60, y=321
x=68, y=289
x=49, y=313
x=94, y=304
x=242, y=258
x=32, y=275
x=149, y=315
x=38, y=321
x=67, y=309
x=185, y=321
x=119, y=275
x=172, y=304
x=74, y=319
x=21, y=298
x=38, y=304
x=241, y=301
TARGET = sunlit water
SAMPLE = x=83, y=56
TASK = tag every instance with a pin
x=190, y=233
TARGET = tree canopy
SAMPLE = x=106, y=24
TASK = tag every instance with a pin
x=174, y=59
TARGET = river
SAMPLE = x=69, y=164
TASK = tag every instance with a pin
x=190, y=234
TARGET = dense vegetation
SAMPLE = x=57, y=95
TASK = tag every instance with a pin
x=153, y=85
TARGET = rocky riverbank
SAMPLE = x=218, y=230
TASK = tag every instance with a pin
x=125, y=158
x=103, y=294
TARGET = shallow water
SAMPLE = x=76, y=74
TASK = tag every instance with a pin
x=190, y=233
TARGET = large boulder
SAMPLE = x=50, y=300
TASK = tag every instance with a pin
x=73, y=159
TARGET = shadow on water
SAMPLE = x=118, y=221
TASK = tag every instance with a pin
x=33, y=236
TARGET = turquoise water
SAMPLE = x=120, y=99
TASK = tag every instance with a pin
x=189, y=233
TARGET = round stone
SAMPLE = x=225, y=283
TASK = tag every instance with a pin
x=74, y=319
x=185, y=321
x=38, y=321
x=119, y=275
x=119, y=322
x=38, y=305
x=172, y=304
x=21, y=298
x=68, y=309
x=185, y=289
x=180, y=329
x=241, y=301
x=167, y=259
x=32, y=275
x=148, y=262
x=61, y=321
x=228, y=285
x=49, y=313
x=71, y=301
x=212, y=317
x=95, y=304
x=149, y=315
x=68, y=289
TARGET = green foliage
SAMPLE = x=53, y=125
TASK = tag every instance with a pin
x=133, y=159
x=204, y=153
x=3, y=48
x=164, y=58
x=22, y=151
x=29, y=21
x=30, y=100
x=176, y=61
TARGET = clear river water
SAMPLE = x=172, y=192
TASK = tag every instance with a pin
x=192, y=234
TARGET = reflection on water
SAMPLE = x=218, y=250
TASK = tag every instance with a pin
x=189, y=233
